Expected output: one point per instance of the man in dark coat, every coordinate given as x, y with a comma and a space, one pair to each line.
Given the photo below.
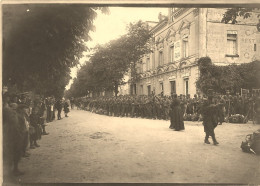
35, 128
23, 118
210, 120
13, 137
58, 106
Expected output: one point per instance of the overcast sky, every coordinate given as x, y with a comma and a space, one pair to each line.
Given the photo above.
113, 25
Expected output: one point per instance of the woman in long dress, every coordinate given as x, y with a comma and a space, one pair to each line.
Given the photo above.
176, 115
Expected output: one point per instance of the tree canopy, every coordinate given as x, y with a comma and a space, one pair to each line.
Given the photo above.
232, 14
227, 78
42, 42
109, 63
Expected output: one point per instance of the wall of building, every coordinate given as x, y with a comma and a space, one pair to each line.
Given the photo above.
184, 26
206, 36
248, 38
179, 76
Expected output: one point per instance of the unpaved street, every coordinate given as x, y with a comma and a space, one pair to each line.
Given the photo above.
88, 147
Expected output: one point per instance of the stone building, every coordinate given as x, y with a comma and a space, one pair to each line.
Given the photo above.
184, 36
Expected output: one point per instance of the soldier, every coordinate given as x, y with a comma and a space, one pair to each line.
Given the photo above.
209, 119
157, 108
167, 103
134, 106
221, 110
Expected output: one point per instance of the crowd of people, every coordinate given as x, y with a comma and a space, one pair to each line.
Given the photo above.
213, 110
158, 107
24, 119
24, 124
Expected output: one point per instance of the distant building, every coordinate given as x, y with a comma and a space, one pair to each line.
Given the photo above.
184, 36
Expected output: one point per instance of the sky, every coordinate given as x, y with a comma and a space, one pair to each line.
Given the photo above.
113, 25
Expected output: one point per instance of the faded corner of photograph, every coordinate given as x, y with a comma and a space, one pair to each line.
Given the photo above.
130, 94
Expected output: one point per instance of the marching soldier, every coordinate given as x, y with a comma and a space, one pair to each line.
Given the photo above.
210, 120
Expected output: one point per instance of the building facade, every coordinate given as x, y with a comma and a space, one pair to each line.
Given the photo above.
186, 35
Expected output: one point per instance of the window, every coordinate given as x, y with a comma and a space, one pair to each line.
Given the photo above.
133, 89
171, 53
141, 89
143, 67
186, 87
160, 58
161, 87
254, 47
231, 43
173, 87
185, 47
149, 90
148, 64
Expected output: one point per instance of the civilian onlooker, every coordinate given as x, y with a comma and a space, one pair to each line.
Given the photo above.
35, 132
43, 116
24, 120
66, 108
58, 106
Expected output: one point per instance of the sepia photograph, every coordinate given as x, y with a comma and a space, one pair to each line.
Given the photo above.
127, 92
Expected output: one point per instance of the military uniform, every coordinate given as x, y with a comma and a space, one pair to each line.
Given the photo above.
209, 112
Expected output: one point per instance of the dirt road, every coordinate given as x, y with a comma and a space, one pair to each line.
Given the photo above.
87, 147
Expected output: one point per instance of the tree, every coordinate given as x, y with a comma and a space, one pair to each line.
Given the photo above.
42, 42
232, 14
110, 62
231, 77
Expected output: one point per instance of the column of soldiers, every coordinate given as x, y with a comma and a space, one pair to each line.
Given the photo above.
158, 106
24, 122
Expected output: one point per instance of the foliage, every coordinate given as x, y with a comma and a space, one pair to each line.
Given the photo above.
42, 42
109, 63
231, 77
232, 14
